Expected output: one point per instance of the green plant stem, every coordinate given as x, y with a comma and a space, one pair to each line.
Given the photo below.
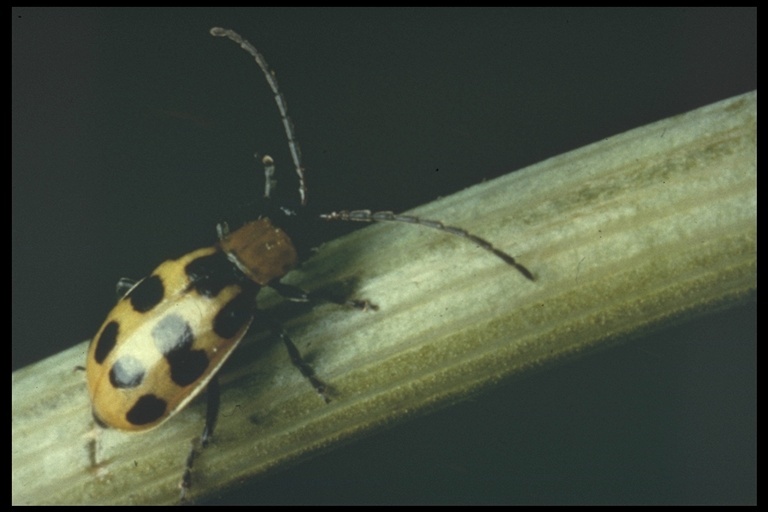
623, 236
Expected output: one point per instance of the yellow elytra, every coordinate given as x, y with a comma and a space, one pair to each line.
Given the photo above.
172, 331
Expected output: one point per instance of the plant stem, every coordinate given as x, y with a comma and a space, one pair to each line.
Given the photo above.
622, 236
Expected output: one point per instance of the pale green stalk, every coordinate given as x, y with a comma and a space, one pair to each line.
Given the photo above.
623, 236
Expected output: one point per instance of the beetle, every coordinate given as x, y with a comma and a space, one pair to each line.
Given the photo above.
171, 332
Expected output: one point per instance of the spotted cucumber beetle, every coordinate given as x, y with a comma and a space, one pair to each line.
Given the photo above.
171, 332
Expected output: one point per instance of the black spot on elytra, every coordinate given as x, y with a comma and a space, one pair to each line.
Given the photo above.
147, 409
212, 273
235, 315
187, 365
127, 372
106, 342
147, 294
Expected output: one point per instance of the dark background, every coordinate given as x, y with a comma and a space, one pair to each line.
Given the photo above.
133, 134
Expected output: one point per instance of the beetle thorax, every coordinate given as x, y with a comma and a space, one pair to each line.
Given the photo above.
261, 251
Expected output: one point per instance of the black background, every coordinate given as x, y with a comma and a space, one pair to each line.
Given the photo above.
133, 134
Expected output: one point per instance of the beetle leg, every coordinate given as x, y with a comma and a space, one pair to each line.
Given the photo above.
306, 370
97, 466
296, 294
213, 395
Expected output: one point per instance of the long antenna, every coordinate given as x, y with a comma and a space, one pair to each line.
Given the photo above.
346, 215
387, 216
282, 106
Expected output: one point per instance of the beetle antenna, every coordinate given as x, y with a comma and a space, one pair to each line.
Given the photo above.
282, 106
387, 216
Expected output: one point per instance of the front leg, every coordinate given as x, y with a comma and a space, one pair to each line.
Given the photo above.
296, 294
